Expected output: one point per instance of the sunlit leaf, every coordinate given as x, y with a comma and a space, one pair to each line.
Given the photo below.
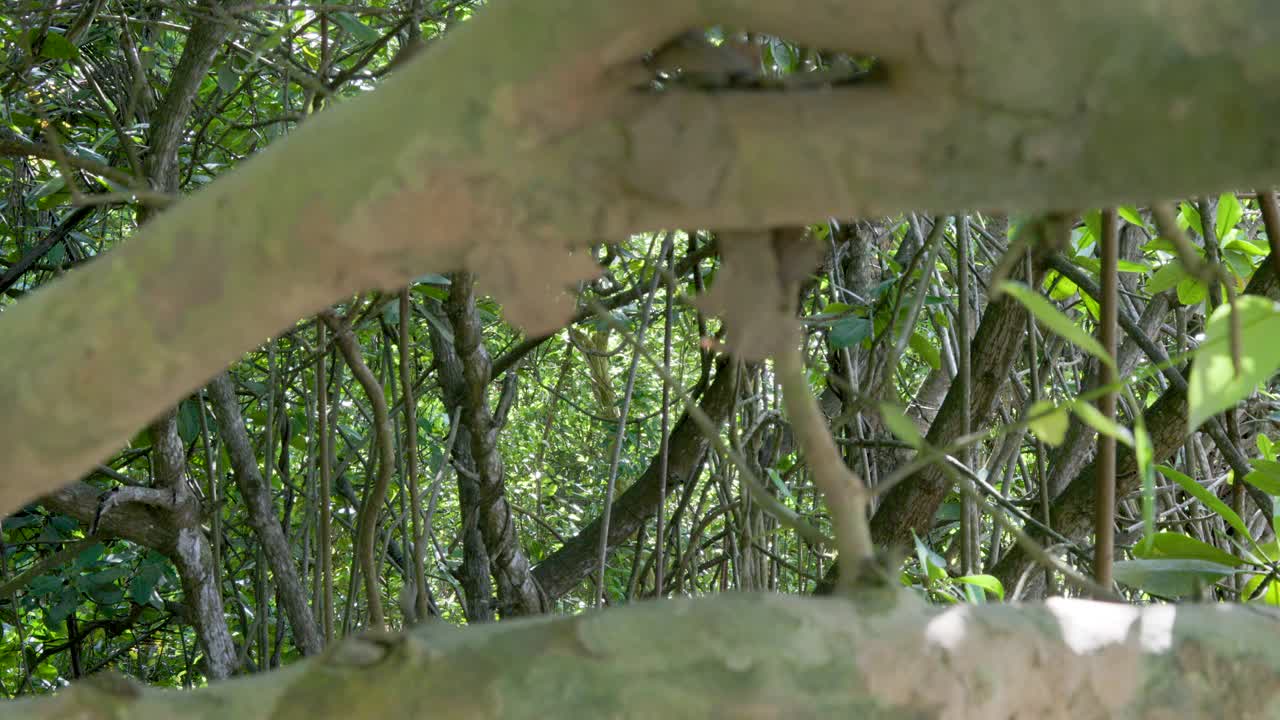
987, 582
925, 350
1204, 495
1131, 214
1050, 426
1168, 577
1178, 545
1265, 476
1055, 320
1191, 291
1094, 418
1213, 386
900, 425
56, 46
1229, 213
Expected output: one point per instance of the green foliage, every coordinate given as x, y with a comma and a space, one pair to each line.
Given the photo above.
1214, 384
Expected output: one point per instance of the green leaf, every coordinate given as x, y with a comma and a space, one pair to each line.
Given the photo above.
1213, 385
1058, 286
1055, 320
189, 419
1240, 264
1269, 596
45, 585
1169, 577
1092, 417
66, 605
1093, 222
56, 46
1199, 492
776, 477
1144, 455
1189, 217
836, 308
1131, 214
89, 555
986, 582
143, 585
1191, 291
1265, 446
1051, 427
1094, 265
227, 77
925, 350
1245, 247
110, 575
358, 30
1177, 545
1229, 213
849, 331
900, 425
1265, 476
931, 563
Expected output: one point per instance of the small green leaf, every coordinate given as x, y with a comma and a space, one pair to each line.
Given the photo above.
56, 46
987, 582
89, 555
1213, 385
925, 350
110, 575
1269, 596
836, 308
776, 477
66, 605
1177, 545
359, 30
931, 563
1049, 423
1092, 417
1245, 247
1131, 214
1144, 454
1169, 577
227, 77
1059, 287
1093, 223
900, 425
849, 331
1265, 476
1265, 446
1189, 217
45, 585
1191, 291
1229, 213
1055, 320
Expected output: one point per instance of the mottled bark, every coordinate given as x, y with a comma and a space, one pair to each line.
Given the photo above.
758, 655
474, 575
518, 592
192, 555
262, 516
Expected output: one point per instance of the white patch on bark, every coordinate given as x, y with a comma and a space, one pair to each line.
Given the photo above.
948, 629
1091, 626
1157, 628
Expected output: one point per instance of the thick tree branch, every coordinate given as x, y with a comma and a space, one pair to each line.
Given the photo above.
757, 655
521, 144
